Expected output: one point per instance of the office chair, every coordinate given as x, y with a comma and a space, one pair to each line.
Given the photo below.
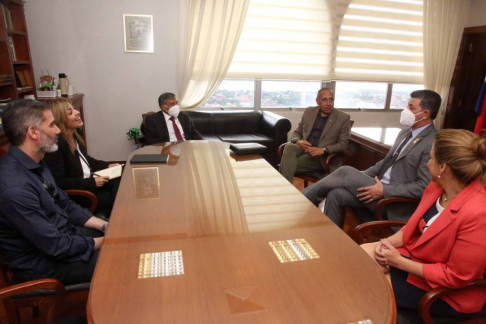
43, 292
366, 217
141, 140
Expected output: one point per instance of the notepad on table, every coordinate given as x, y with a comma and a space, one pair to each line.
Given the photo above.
113, 172
150, 158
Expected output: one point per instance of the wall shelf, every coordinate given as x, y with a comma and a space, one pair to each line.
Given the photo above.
15, 32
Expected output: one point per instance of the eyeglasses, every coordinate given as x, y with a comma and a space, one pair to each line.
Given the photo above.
51, 190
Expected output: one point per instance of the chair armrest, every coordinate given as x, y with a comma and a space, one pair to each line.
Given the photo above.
18, 289
431, 296
84, 193
391, 200
275, 127
363, 231
329, 158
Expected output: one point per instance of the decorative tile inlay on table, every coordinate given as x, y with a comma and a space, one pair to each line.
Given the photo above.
160, 264
293, 250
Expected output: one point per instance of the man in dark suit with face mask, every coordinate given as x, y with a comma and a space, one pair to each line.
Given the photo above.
403, 172
169, 124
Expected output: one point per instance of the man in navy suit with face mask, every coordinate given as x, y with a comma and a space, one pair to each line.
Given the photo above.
169, 124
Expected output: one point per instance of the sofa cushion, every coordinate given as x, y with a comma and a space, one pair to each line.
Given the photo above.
248, 138
202, 121
210, 137
236, 122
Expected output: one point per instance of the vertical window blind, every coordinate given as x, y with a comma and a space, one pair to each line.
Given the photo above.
286, 39
381, 40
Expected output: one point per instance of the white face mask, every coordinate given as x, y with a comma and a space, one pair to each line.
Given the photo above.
407, 118
174, 111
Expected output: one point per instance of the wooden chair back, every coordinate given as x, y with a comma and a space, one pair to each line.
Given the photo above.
142, 127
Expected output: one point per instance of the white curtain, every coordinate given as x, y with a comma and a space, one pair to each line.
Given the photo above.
208, 35
443, 27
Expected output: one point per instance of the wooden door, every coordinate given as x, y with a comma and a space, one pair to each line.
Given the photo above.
467, 80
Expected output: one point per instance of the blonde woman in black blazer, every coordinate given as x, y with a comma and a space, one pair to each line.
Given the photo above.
71, 166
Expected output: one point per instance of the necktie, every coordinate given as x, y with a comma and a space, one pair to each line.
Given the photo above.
386, 165
176, 129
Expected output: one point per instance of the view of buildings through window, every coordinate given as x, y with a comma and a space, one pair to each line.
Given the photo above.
284, 94
233, 93
302, 94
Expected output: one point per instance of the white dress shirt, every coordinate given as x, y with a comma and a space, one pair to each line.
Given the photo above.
170, 127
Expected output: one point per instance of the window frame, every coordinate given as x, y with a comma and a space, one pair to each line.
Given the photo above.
257, 98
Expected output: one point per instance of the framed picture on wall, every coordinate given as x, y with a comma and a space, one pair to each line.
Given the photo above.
138, 33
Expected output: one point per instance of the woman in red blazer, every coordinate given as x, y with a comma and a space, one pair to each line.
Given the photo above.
444, 242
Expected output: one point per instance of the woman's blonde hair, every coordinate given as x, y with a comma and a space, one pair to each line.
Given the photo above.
463, 151
59, 109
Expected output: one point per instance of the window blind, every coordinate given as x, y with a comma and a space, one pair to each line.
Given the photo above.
286, 39
381, 40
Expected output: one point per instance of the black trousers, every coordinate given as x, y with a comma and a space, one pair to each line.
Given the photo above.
106, 198
69, 273
408, 296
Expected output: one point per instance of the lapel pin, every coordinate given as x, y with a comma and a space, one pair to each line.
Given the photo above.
416, 140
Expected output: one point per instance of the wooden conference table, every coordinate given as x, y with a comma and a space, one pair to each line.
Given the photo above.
215, 238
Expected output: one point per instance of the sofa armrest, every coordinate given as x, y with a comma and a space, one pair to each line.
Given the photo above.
275, 127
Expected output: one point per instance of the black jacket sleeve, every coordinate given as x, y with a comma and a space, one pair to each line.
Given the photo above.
66, 168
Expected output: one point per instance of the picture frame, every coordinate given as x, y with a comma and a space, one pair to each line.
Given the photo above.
138, 33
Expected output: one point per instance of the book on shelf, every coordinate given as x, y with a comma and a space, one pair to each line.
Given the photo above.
7, 18
21, 80
6, 78
11, 47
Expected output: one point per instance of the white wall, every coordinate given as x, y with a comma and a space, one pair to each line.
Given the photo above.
477, 13
84, 39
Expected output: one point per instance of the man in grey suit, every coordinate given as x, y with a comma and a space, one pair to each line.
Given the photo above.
403, 172
323, 130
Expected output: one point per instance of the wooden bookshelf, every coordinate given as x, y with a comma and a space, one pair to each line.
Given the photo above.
15, 51
14, 55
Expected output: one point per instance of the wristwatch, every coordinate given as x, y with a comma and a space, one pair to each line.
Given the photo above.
294, 140
104, 227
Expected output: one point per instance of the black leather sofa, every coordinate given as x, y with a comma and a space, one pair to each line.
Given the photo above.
244, 126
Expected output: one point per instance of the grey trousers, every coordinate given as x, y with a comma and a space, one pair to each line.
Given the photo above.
340, 189
295, 160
